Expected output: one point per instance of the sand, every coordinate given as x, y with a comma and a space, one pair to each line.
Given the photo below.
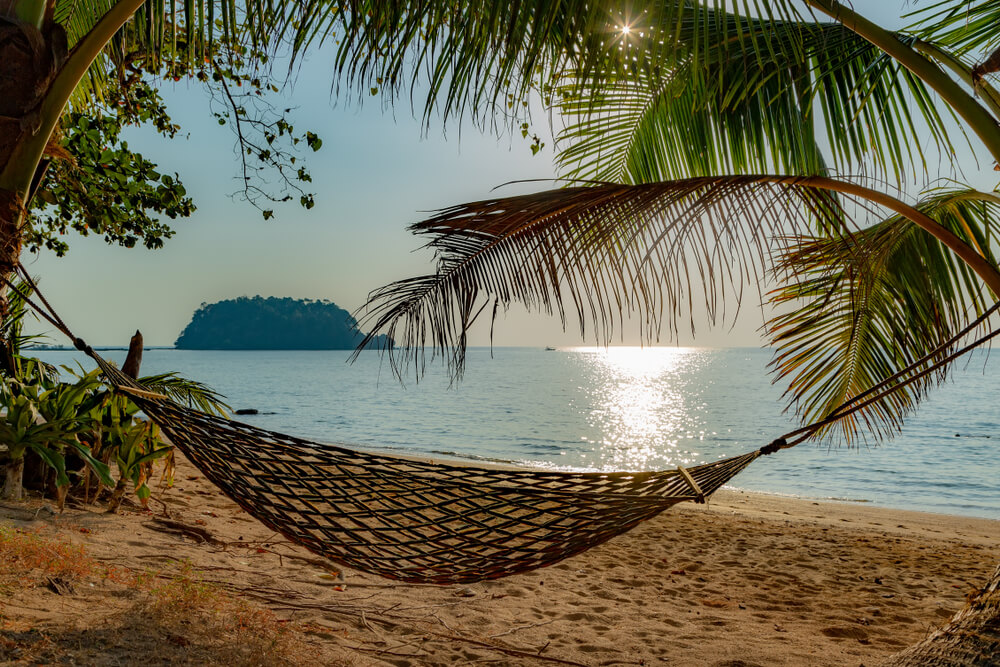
749, 579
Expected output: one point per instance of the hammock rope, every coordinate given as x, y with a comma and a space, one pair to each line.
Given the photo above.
422, 521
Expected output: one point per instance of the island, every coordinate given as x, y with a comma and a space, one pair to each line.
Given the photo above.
272, 323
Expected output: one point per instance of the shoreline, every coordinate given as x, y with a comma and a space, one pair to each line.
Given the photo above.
765, 579
776, 506
570, 411
860, 503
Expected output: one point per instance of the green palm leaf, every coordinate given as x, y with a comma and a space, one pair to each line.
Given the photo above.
966, 28
863, 303
866, 305
190, 392
729, 94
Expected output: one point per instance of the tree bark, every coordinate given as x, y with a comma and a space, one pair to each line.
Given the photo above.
29, 62
117, 494
10, 251
971, 638
13, 472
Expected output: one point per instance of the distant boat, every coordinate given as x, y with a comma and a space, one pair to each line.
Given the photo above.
549, 348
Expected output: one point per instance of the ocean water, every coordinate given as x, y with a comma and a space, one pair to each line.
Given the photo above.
614, 409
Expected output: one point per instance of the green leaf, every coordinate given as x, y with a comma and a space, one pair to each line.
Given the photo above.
728, 94
101, 469
52, 458
857, 309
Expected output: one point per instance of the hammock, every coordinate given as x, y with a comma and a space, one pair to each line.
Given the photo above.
417, 520
427, 522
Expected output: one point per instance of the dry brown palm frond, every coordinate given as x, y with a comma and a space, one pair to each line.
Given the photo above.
602, 253
857, 305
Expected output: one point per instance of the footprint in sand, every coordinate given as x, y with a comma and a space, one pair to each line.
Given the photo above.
845, 633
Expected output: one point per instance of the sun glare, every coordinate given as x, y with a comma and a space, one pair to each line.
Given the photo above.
641, 406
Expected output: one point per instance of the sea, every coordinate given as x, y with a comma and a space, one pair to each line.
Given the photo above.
618, 408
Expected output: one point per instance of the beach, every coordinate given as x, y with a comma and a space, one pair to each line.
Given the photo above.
748, 579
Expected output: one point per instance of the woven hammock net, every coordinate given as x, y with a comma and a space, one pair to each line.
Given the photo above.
416, 520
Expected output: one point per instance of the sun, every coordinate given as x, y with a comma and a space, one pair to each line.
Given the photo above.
626, 29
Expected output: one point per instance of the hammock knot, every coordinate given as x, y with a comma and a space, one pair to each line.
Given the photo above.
773, 446
81, 345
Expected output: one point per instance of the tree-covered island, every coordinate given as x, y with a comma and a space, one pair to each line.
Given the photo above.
271, 323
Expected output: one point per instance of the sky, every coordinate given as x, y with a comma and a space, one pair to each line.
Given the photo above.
377, 172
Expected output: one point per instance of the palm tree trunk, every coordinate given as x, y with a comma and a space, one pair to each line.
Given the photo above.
10, 249
972, 637
30, 61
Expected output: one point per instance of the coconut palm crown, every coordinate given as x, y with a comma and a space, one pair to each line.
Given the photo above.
721, 149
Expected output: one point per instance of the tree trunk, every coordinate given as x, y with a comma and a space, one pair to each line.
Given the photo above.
971, 638
29, 61
10, 249
13, 473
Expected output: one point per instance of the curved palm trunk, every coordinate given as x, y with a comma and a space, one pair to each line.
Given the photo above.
37, 77
972, 637
30, 61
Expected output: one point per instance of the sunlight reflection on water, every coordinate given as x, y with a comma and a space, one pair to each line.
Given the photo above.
638, 406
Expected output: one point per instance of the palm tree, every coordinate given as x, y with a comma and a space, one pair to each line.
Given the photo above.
706, 156
64, 55
686, 110
58, 55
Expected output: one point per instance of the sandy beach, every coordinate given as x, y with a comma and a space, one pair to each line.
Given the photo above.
749, 579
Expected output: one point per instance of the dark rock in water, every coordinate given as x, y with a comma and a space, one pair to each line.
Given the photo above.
248, 411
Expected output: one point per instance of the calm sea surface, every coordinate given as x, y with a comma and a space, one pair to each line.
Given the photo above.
616, 409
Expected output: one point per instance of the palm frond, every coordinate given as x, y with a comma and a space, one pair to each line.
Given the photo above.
965, 28
866, 305
12, 332
191, 392
730, 94
484, 59
598, 253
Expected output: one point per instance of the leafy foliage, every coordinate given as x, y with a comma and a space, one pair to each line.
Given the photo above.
100, 186
51, 418
716, 92
192, 393
258, 323
692, 91
241, 89
965, 28
861, 306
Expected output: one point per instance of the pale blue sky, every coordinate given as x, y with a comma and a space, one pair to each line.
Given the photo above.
375, 174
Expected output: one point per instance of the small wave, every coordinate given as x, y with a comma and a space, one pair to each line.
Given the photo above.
846, 500
542, 447
467, 456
